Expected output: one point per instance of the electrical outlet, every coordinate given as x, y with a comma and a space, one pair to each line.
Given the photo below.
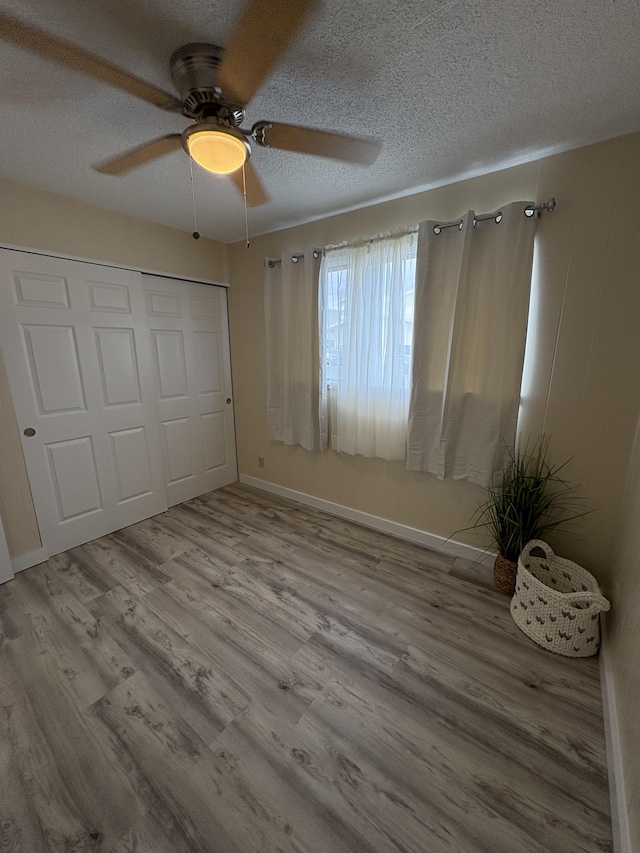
260, 461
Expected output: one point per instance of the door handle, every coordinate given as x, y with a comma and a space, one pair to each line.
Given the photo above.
29, 432
228, 399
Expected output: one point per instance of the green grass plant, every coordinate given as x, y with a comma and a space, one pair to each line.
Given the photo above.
533, 500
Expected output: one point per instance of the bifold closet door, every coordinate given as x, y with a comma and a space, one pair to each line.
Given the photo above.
77, 350
190, 345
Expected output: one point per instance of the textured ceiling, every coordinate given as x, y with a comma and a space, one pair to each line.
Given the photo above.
451, 88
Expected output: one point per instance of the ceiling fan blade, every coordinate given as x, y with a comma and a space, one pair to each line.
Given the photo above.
321, 143
256, 193
64, 53
141, 155
261, 37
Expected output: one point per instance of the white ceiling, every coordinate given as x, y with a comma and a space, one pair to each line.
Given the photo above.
453, 88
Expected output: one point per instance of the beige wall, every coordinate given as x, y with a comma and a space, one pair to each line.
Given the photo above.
624, 636
582, 384
35, 219
582, 381
16, 506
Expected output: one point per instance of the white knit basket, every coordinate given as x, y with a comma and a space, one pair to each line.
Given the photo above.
557, 603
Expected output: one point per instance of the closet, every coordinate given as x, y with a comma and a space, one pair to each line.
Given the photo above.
121, 383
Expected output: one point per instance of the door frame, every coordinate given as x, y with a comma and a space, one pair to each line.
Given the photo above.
144, 270
6, 566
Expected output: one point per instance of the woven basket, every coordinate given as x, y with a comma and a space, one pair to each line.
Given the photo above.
557, 603
504, 574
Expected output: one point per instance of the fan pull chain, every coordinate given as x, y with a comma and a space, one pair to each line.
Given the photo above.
196, 233
244, 196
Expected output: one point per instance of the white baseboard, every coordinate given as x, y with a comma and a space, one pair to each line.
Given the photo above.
394, 528
25, 561
619, 816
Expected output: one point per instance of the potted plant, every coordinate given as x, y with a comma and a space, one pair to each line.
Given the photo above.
532, 500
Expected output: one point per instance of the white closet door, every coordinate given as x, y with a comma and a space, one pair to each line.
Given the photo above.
190, 344
75, 342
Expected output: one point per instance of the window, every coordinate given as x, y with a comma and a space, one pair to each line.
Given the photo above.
366, 312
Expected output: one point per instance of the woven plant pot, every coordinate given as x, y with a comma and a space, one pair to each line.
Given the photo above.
504, 574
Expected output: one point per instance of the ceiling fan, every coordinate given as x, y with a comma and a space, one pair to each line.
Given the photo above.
214, 87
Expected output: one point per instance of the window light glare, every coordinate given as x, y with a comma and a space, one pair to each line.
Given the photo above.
217, 151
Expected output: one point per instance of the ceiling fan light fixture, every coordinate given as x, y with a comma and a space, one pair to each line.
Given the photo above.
217, 149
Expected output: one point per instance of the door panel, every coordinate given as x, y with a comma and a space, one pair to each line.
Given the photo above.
118, 366
45, 291
171, 371
74, 477
55, 369
131, 461
162, 303
213, 440
190, 344
75, 340
177, 435
109, 297
207, 348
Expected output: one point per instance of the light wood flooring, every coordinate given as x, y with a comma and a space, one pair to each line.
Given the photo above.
244, 674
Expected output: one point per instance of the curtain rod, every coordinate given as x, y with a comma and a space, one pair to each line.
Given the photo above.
294, 258
361, 241
529, 211
367, 241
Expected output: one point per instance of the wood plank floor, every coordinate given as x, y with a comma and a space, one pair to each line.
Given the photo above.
243, 674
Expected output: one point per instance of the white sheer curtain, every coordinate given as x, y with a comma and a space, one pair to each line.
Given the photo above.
472, 301
366, 305
294, 405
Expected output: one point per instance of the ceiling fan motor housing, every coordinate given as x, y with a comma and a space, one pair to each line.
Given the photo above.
194, 71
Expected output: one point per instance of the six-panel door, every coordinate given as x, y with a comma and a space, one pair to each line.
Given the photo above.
189, 342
